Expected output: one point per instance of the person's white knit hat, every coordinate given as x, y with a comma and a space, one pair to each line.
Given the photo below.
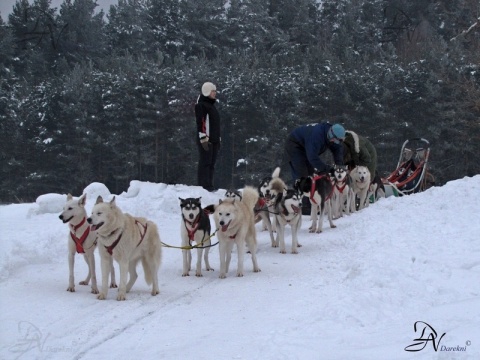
207, 88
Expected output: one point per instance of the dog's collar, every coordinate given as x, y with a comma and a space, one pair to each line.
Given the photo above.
76, 227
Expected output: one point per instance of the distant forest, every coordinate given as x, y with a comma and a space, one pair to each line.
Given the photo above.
93, 97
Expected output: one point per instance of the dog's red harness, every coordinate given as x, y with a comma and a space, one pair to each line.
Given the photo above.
341, 188
142, 236
79, 241
194, 225
259, 205
313, 188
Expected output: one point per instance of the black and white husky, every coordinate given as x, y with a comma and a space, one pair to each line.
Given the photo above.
195, 228
318, 189
288, 211
342, 191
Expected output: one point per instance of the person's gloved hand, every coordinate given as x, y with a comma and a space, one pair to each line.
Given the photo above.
204, 142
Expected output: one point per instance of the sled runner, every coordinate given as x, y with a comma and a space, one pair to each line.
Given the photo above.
411, 173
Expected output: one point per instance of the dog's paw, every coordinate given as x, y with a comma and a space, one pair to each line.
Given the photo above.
185, 274
333, 226
121, 297
283, 252
101, 296
239, 274
113, 285
71, 288
210, 269
83, 282
94, 291
222, 276
319, 231
198, 275
257, 270
155, 292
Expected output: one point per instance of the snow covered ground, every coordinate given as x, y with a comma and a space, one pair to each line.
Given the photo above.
354, 292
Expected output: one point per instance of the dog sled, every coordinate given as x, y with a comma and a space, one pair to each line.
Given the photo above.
411, 173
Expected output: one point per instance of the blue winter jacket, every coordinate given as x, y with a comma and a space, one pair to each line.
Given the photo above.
313, 138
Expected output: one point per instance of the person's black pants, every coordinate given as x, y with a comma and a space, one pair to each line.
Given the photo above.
206, 164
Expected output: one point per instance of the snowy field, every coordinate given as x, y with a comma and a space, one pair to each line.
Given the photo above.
354, 292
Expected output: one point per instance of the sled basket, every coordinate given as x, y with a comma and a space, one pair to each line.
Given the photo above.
409, 176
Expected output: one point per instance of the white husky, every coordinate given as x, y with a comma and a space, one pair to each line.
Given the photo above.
235, 221
81, 240
360, 185
128, 240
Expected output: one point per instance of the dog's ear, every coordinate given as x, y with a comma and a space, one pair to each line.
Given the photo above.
220, 201
83, 200
99, 200
112, 202
69, 197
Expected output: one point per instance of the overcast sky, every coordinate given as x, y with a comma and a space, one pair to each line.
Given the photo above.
6, 6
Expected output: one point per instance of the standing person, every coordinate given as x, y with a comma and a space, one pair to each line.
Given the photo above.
208, 129
306, 143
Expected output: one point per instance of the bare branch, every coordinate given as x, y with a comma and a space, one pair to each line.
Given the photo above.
466, 32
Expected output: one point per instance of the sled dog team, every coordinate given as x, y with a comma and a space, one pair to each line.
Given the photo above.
129, 240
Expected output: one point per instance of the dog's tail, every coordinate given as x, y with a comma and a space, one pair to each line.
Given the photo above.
147, 271
250, 197
151, 261
276, 173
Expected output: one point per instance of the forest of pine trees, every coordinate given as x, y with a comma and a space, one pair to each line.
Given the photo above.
92, 97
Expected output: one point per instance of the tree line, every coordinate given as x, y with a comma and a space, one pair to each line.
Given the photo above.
87, 96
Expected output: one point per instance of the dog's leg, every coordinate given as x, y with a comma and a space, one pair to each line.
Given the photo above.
314, 217
295, 228
71, 263
346, 200
205, 256
362, 198
329, 213
186, 261
222, 249
240, 241
198, 270
122, 288
320, 217
87, 280
281, 237
266, 220
132, 270
91, 266
113, 283
105, 263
